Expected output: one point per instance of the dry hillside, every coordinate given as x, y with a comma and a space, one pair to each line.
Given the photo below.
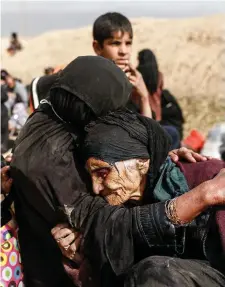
190, 52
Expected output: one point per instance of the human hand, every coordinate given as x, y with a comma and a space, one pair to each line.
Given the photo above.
8, 158
68, 241
123, 65
137, 81
6, 181
186, 154
215, 192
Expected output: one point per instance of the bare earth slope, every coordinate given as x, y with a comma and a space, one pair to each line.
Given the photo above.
190, 52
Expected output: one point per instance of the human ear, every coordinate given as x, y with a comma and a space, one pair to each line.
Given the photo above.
143, 165
97, 48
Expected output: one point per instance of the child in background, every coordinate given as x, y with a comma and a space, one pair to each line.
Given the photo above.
113, 39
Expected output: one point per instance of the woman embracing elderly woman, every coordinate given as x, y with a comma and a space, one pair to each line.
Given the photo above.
126, 157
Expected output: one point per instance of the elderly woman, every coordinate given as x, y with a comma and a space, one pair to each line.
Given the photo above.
46, 169
126, 156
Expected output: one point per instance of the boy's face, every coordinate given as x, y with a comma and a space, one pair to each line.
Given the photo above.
118, 48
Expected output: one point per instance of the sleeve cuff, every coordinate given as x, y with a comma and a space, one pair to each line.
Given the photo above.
154, 225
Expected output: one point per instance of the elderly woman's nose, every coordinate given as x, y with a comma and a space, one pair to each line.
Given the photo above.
97, 187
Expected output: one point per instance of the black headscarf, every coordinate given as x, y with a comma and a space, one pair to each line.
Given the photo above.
124, 135
148, 67
89, 81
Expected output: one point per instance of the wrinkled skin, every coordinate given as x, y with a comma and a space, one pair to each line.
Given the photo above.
119, 182
186, 154
68, 246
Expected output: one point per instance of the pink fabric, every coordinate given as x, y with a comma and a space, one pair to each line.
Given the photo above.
11, 269
195, 174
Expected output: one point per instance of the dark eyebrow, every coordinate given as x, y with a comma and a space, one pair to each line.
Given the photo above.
115, 40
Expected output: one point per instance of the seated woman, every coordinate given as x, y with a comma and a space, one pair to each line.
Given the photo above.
126, 156
166, 109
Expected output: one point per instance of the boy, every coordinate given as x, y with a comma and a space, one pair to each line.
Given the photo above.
112, 39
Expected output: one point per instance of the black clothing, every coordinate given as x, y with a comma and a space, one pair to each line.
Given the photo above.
47, 171
4, 121
44, 84
171, 112
148, 67
123, 135
49, 174
40, 87
161, 271
111, 138
96, 81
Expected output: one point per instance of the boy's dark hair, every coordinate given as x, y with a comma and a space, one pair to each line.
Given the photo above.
108, 23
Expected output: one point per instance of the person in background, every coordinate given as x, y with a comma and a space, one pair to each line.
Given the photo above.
4, 121
49, 71
113, 39
222, 147
14, 45
171, 111
16, 90
4, 73
165, 108
16, 103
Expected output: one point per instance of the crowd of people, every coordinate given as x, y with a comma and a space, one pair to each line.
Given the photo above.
104, 190
14, 103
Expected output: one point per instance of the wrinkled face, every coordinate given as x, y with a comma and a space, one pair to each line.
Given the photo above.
118, 183
118, 48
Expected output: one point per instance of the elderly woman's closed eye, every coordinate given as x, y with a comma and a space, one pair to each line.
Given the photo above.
119, 182
126, 157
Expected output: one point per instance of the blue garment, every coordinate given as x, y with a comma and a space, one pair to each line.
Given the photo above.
174, 134
171, 182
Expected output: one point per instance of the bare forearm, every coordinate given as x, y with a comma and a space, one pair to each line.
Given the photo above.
145, 107
156, 107
158, 113
192, 203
